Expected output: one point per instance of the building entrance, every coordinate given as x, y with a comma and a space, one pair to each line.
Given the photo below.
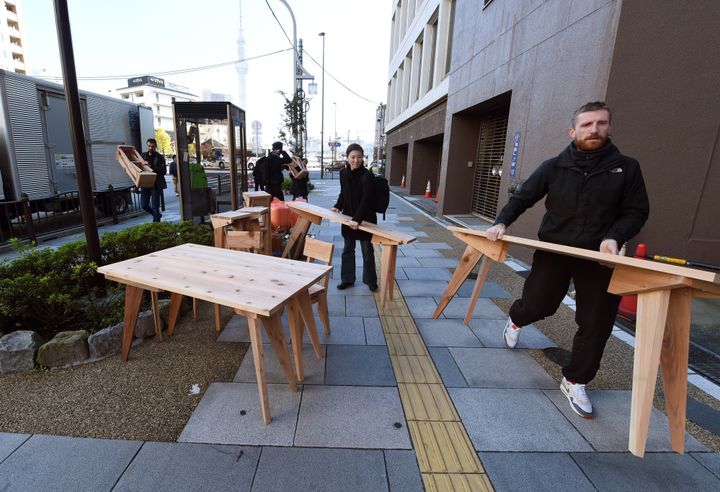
489, 163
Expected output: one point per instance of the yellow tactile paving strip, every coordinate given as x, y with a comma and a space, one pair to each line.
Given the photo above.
445, 454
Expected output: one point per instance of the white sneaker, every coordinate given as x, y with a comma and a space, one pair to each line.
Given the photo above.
511, 334
577, 397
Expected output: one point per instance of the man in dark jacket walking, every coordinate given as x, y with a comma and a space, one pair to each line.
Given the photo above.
150, 197
357, 199
595, 199
276, 160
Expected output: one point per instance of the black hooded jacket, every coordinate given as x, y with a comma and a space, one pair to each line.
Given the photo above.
357, 199
590, 197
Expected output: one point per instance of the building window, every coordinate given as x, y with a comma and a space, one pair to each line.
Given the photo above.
125, 96
139, 94
159, 121
10, 8
157, 97
451, 19
432, 39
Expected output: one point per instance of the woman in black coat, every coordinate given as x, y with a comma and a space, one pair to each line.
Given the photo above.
357, 199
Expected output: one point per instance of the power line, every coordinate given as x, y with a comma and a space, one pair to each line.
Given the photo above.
172, 72
315, 61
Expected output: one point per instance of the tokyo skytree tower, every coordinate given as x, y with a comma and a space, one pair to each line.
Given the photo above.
242, 66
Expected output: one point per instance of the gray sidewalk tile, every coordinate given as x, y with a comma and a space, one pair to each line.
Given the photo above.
446, 366
423, 245
450, 263
539, 472
484, 308
498, 368
490, 333
236, 330
656, 471
711, 461
358, 289
373, 332
403, 471
361, 306
336, 305
427, 273
357, 365
313, 368
421, 307
308, 469
609, 428
402, 262
422, 288
344, 330
66, 463
446, 333
351, 417
164, 466
419, 253
491, 290
219, 419
400, 274
515, 420
10, 442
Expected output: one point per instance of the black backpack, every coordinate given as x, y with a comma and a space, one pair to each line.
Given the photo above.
382, 194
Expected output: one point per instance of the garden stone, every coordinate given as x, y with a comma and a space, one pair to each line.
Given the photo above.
17, 351
145, 327
65, 349
106, 341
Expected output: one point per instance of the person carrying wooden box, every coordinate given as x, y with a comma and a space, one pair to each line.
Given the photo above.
150, 196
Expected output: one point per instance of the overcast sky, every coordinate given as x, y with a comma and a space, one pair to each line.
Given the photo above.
133, 37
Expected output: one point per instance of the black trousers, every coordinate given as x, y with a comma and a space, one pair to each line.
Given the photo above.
595, 312
347, 268
276, 191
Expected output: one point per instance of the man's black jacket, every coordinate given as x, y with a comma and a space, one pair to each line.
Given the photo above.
357, 199
275, 163
585, 205
157, 162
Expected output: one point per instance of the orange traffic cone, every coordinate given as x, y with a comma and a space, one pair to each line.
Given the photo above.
428, 193
628, 304
402, 183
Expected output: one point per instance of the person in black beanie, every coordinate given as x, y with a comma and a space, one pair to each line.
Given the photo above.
150, 197
357, 199
595, 199
276, 160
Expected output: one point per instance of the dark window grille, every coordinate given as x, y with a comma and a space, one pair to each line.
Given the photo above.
488, 164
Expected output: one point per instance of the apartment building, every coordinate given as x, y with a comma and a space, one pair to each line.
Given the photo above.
514, 72
157, 94
12, 53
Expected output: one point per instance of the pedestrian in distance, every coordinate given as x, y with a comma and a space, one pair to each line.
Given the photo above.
174, 173
260, 171
595, 198
356, 199
150, 197
276, 160
299, 184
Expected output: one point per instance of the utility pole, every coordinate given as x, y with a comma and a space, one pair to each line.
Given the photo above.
322, 116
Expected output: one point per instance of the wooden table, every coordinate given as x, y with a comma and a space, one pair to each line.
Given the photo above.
387, 238
254, 286
662, 328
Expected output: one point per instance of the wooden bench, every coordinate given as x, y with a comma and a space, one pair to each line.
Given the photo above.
662, 328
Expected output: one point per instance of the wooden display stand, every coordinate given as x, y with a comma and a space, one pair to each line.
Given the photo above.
249, 219
389, 239
662, 328
297, 169
261, 199
135, 166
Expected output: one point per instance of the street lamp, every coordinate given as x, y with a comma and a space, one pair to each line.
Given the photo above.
322, 114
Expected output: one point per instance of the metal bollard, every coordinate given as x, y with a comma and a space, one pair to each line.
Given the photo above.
28, 218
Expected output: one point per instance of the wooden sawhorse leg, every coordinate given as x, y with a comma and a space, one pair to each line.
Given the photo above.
388, 260
297, 239
469, 259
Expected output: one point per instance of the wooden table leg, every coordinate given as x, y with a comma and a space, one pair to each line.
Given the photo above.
674, 363
650, 329
259, 359
156, 315
274, 329
387, 272
297, 238
304, 304
175, 303
484, 267
296, 334
133, 297
469, 259
218, 322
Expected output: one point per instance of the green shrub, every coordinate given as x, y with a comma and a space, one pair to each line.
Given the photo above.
50, 290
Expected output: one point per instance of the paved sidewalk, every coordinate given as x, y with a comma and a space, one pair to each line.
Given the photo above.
354, 424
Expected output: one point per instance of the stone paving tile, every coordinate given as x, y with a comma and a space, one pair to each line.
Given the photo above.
309, 469
351, 417
427, 273
344, 330
66, 463
358, 289
164, 466
356, 365
656, 471
499, 420
422, 288
446, 333
420, 253
423, 245
236, 330
450, 263
491, 290
313, 368
549, 472
219, 419
402, 262
361, 306
497, 368
403, 472
711, 461
609, 428
336, 305
447, 367
421, 307
484, 308
10, 442
490, 333
373, 332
